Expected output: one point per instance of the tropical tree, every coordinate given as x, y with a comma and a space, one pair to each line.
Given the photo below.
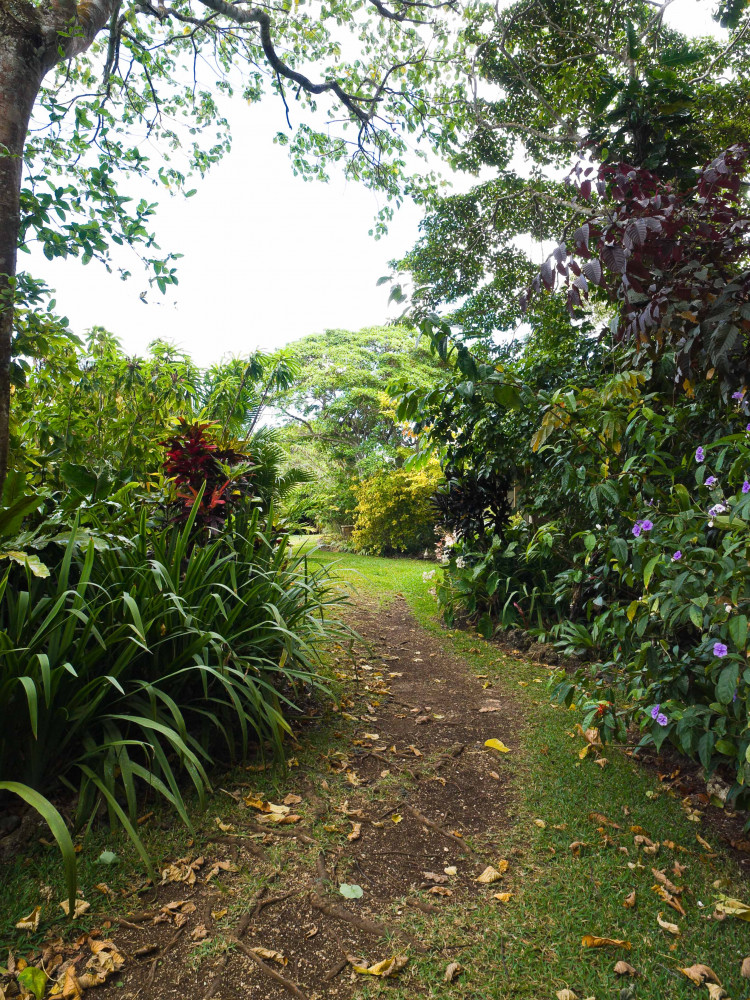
102, 74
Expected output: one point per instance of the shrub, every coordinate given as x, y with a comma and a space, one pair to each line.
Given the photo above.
394, 511
134, 658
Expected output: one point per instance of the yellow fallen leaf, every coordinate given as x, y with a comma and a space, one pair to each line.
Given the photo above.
396, 818
356, 832
590, 941
451, 870
489, 875
388, 966
218, 914
503, 897
540, 823
704, 843
497, 745
31, 922
265, 807
666, 926
624, 969
729, 907
699, 974
70, 988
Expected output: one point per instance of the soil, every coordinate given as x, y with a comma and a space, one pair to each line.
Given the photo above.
446, 808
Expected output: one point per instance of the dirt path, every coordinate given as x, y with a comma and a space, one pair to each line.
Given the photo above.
417, 792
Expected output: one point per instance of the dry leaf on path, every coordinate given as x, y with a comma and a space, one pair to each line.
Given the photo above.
666, 926
199, 933
356, 832
451, 972
624, 969
497, 745
439, 890
270, 955
629, 901
490, 875
699, 974
220, 866
31, 922
590, 941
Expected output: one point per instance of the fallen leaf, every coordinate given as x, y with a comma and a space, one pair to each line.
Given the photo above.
312, 932
566, 995
624, 969
271, 956
199, 933
388, 966
218, 914
699, 974
433, 877
356, 832
70, 988
396, 818
490, 875
31, 922
451, 972
601, 818
576, 846
279, 819
601, 762
33, 980
540, 823
224, 827
439, 890
80, 907
669, 899
745, 971
351, 891
265, 807
662, 878
728, 907
666, 926
590, 941
629, 901
293, 800
497, 745
716, 992
503, 897
220, 866
451, 870
704, 843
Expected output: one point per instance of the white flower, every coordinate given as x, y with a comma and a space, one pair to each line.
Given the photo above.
460, 562
428, 576
728, 608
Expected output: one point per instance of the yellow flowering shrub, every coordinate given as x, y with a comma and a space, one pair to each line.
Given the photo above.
394, 513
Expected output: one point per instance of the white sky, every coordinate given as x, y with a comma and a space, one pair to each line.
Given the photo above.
268, 258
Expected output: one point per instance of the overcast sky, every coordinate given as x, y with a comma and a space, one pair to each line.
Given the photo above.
268, 258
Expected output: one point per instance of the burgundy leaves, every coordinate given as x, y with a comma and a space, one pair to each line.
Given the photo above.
674, 261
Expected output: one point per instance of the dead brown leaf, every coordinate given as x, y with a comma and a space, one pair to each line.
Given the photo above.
31, 922
356, 832
270, 955
590, 941
603, 820
745, 971
451, 972
624, 969
629, 901
666, 926
699, 974
576, 847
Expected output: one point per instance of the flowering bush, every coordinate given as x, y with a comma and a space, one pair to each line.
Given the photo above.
675, 641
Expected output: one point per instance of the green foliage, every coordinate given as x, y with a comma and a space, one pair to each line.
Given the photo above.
135, 660
394, 511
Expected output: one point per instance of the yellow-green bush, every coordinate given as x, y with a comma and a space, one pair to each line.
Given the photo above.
394, 513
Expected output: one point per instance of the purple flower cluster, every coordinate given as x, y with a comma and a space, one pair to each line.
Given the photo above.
700, 455
711, 481
746, 487
640, 526
720, 649
718, 508
677, 556
656, 713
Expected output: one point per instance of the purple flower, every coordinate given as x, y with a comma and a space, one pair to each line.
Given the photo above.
711, 481
720, 649
739, 394
637, 528
718, 508
655, 711
662, 719
746, 487
748, 427
700, 454
647, 525
677, 556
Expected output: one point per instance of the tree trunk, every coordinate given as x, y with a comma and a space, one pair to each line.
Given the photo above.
21, 71
33, 39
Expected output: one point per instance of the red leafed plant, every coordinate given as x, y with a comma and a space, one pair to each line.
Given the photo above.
193, 461
676, 262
